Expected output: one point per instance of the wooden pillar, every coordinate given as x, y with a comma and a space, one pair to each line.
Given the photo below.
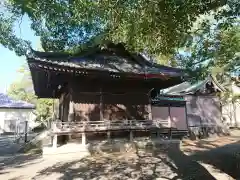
131, 136
61, 108
53, 107
108, 136
83, 138
70, 115
54, 141
150, 105
150, 112
26, 131
131, 133
101, 105
170, 117
186, 117
71, 110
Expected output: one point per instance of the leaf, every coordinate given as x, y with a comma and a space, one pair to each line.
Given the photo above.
157, 27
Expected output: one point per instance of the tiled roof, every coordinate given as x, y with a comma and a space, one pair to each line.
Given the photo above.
175, 90
113, 59
188, 88
109, 63
7, 102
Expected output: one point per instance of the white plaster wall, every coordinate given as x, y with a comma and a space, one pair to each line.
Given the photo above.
17, 117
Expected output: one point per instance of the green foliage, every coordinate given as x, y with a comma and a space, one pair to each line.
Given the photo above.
22, 90
167, 60
153, 26
158, 28
8, 37
44, 109
215, 50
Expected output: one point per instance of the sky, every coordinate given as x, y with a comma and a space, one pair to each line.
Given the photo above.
10, 62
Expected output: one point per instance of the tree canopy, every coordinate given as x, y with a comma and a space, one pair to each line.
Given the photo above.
154, 26
205, 32
214, 50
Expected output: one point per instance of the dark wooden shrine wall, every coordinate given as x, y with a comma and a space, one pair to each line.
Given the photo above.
64, 106
115, 102
108, 85
114, 105
125, 106
86, 106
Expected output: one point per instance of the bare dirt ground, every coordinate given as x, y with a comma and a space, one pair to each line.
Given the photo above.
216, 158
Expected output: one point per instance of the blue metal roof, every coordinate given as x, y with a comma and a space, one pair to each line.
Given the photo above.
7, 102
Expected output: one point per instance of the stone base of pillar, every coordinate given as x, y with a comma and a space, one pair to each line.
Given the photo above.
83, 139
65, 149
109, 136
54, 141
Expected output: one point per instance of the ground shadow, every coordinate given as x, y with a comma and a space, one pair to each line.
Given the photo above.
155, 161
150, 163
201, 145
225, 158
18, 161
184, 166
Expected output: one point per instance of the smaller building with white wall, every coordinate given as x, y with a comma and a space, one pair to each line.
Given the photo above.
231, 109
15, 114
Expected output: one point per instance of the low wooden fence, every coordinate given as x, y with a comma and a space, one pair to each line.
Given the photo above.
83, 126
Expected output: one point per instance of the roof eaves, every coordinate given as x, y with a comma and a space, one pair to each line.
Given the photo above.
217, 84
195, 87
175, 89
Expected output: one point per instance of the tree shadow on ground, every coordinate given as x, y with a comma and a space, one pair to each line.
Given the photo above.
190, 147
225, 158
157, 161
151, 163
18, 161
184, 166
202, 145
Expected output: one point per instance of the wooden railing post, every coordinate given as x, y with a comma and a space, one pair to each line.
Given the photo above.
84, 126
108, 136
131, 133
54, 126
106, 125
26, 131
